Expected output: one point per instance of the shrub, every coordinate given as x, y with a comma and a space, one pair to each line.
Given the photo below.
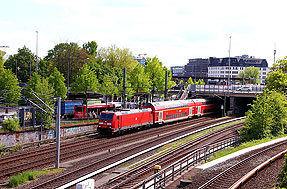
21, 178
11, 124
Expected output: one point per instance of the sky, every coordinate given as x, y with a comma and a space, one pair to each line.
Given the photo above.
173, 31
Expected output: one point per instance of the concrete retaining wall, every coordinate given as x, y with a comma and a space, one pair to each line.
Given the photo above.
11, 139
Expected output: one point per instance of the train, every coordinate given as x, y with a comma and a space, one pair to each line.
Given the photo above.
93, 109
115, 122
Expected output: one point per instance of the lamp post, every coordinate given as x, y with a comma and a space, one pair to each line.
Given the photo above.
37, 51
229, 61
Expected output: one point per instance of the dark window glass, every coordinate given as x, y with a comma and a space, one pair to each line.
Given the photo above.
79, 108
105, 116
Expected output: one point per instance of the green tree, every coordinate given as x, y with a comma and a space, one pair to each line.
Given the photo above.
117, 58
189, 81
26, 64
139, 79
67, 55
101, 69
86, 81
277, 77
108, 87
2, 53
11, 124
200, 82
91, 48
44, 91
156, 74
266, 118
252, 73
9, 88
57, 81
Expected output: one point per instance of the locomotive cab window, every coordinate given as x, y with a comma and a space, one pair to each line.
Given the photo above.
105, 116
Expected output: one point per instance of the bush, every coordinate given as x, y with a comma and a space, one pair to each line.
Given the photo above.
11, 124
21, 178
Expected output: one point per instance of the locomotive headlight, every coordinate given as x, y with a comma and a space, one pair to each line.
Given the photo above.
109, 123
100, 122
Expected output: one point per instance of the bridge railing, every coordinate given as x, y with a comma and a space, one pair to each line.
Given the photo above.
226, 89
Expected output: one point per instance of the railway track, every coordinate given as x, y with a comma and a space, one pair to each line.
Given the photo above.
114, 157
137, 174
231, 175
44, 157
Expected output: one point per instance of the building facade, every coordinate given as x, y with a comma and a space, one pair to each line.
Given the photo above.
230, 67
196, 68
177, 70
141, 58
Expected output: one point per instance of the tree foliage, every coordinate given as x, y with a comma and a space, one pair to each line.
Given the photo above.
139, 79
65, 55
267, 117
117, 58
86, 80
189, 82
25, 61
11, 124
2, 53
9, 88
156, 74
200, 82
251, 73
57, 81
91, 48
108, 87
277, 77
101, 69
44, 91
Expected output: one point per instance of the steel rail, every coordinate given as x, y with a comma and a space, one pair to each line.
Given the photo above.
125, 153
208, 183
255, 171
165, 158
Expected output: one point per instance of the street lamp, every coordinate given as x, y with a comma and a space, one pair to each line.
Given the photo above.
229, 61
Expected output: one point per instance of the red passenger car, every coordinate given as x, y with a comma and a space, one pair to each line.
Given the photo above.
116, 122
181, 109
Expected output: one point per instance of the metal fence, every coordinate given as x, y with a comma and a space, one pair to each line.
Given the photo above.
227, 89
167, 174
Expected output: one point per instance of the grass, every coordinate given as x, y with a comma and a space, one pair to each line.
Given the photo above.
26, 176
241, 146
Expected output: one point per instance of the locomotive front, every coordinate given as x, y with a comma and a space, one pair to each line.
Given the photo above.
106, 122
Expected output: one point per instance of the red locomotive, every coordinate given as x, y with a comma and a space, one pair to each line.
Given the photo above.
154, 113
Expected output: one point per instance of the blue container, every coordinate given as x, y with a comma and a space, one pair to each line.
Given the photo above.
67, 107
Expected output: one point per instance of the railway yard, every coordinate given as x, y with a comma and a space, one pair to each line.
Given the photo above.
129, 160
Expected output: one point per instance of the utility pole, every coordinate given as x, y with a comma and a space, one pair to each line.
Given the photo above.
229, 61
166, 86
124, 87
37, 51
58, 132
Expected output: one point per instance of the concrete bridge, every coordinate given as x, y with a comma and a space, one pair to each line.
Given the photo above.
235, 99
